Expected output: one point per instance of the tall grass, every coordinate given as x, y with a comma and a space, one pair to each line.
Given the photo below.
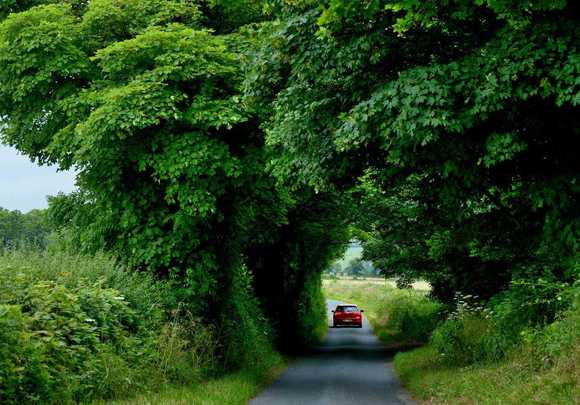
22, 268
232, 389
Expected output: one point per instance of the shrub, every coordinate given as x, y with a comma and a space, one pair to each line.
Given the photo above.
80, 339
24, 375
312, 311
410, 317
558, 339
461, 340
530, 302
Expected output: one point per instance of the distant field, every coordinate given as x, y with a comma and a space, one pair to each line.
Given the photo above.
364, 281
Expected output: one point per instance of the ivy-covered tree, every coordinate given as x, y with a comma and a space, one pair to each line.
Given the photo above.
144, 106
144, 99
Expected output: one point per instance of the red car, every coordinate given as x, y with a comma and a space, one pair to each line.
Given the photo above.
347, 315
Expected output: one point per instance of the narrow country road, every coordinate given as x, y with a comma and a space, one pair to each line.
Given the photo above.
351, 367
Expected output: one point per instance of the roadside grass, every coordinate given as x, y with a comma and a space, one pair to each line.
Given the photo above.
232, 389
513, 381
462, 365
366, 294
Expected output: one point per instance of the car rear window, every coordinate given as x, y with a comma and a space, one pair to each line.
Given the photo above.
346, 308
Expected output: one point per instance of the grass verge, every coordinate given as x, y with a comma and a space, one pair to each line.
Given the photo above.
513, 381
462, 363
232, 389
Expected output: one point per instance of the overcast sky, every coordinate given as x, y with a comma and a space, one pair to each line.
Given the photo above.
24, 185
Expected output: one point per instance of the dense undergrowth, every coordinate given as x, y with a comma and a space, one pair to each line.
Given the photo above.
78, 328
521, 347
541, 366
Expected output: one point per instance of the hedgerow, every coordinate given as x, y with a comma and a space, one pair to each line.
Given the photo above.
76, 328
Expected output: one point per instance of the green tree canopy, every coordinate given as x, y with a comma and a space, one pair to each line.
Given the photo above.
454, 123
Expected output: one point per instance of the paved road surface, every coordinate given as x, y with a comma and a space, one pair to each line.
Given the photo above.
350, 368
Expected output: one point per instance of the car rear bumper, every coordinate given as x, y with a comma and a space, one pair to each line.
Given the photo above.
355, 324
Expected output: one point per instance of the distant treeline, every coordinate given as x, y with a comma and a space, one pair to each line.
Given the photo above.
354, 268
23, 230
